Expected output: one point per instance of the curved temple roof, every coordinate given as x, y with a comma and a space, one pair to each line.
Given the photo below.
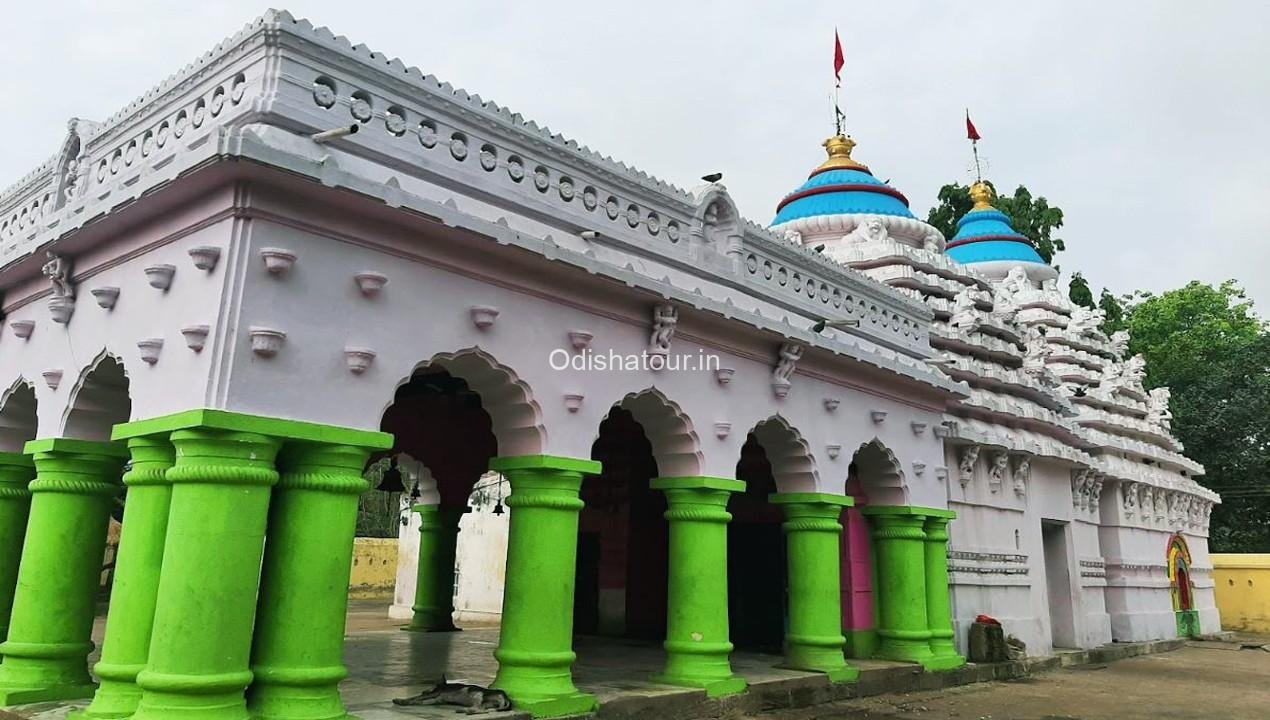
841, 186
985, 235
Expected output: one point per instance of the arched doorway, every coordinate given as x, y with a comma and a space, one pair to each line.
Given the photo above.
443, 442
1180, 588
874, 478
757, 569
622, 538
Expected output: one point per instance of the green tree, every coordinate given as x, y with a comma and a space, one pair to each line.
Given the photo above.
1033, 218
1114, 308
1207, 344
1078, 291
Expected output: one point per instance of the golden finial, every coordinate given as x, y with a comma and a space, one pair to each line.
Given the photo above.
839, 148
981, 193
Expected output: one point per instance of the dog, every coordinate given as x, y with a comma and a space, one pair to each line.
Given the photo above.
475, 700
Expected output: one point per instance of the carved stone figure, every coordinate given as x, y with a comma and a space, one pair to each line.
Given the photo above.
1079, 480
1135, 370
790, 353
1016, 281
996, 472
1038, 348
793, 236
1160, 413
1022, 472
964, 316
1095, 493
870, 230
1086, 321
966, 464
1129, 497
58, 271
1050, 285
665, 317
1120, 342
933, 243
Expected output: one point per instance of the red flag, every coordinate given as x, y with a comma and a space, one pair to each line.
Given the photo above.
971, 132
838, 60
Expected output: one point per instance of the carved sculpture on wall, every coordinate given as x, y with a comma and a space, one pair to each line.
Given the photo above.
870, 230
1022, 473
1080, 478
1135, 370
1129, 497
58, 271
1095, 493
665, 317
1038, 348
996, 472
790, 353
1086, 321
964, 315
933, 243
1120, 342
966, 464
1016, 281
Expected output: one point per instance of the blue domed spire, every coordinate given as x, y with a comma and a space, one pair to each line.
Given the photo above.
985, 235
841, 186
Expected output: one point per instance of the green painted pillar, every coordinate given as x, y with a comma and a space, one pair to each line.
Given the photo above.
938, 609
50, 630
297, 654
131, 618
199, 651
434, 581
535, 649
697, 645
16, 472
900, 544
813, 535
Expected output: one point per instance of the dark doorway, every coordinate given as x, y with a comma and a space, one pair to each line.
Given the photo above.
622, 539
756, 557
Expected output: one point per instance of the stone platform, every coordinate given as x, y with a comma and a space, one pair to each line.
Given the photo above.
386, 663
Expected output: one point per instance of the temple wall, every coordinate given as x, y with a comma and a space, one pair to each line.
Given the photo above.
180, 379
423, 313
1000, 558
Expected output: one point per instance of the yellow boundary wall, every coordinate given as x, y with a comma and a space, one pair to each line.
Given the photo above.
374, 568
1242, 584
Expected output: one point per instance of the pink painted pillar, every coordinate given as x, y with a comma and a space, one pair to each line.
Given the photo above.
857, 579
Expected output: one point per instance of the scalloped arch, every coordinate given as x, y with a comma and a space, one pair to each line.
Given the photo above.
515, 416
99, 400
19, 420
879, 474
676, 446
793, 465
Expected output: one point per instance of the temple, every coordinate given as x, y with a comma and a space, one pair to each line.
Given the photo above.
298, 263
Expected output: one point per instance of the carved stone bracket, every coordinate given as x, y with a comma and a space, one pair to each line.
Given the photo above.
966, 462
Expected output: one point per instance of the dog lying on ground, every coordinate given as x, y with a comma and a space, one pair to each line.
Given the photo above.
475, 700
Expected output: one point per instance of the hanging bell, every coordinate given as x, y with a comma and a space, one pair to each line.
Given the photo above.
498, 508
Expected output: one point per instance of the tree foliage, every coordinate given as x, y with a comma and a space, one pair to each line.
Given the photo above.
1078, 291
1206, 344
1032, 217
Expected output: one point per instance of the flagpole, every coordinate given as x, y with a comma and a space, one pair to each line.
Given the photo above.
974, 146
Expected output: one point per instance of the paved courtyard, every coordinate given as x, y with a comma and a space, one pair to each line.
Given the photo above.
1203, 681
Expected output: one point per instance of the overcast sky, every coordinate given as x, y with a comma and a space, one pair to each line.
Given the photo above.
1147, 127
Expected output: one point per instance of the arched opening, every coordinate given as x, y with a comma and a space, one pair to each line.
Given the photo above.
99, 401
873, 478
443, 442
620, 586
774, 457
18, 420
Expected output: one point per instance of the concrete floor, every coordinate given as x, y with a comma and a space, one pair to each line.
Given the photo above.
1203, 681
